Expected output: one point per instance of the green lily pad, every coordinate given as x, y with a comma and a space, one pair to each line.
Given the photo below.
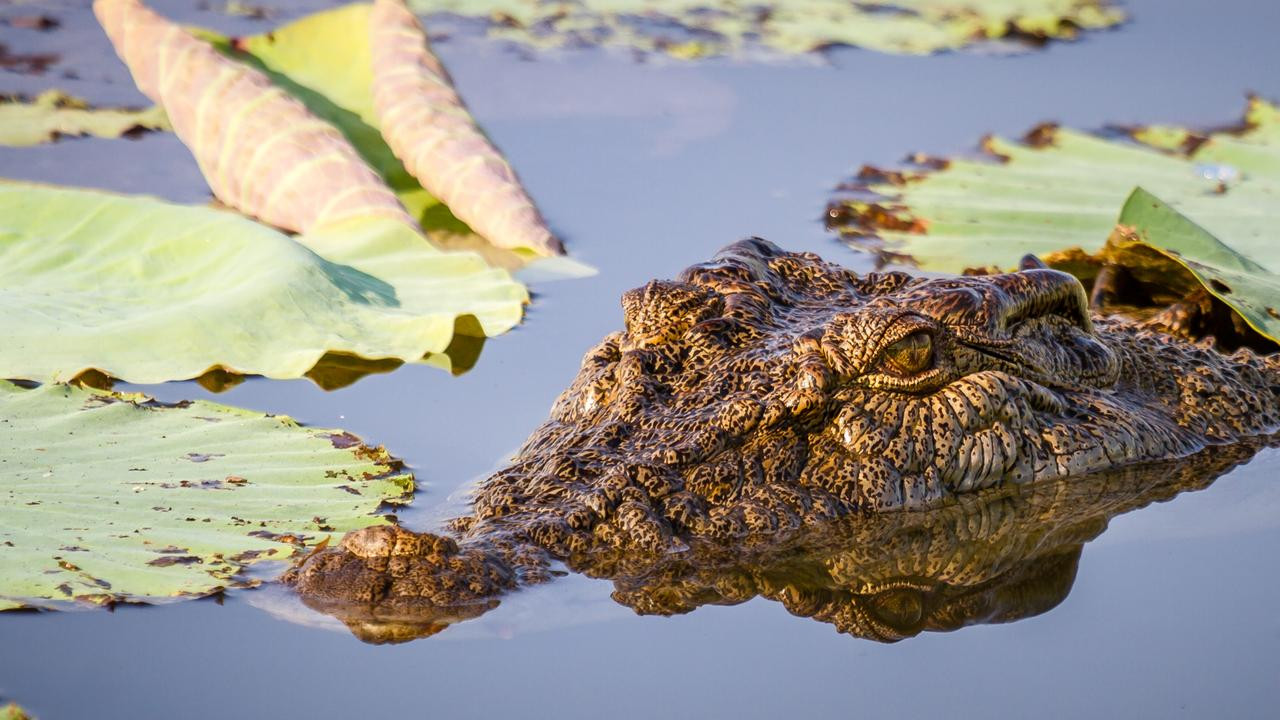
687, 29
147, 291
1180, 246
1060, 189
54, 114
110, 497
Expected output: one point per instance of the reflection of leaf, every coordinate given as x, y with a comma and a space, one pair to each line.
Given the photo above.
1062, 188
1247, 287
430, 130
259, 148
195, 492
54, 113
697, 28
147, 291
326, 61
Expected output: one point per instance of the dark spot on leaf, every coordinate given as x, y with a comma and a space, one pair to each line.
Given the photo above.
289, 538
169, 560
1042, 135
42, 23
343, 440
236, 480
928, 161
26, 64
1272, 312
871, 174
249, 556
1219, 286
350, 489
65, 589
196, 485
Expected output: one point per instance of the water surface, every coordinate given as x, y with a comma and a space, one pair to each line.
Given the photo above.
645, 168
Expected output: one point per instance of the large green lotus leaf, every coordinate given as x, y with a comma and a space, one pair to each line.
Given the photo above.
325, 61
697, 28
1248, 287
148, 291
1061, 188
53, 114
109, 497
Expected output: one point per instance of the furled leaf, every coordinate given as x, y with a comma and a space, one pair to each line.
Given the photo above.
147, 291
688, 29
259, 148
110, 497
1060, 188
430, 130
1248, 287
53, 114
326, 61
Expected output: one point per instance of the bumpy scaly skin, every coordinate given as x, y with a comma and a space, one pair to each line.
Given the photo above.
765, 391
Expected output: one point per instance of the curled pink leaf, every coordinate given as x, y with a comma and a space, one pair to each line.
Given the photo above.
430, 130
259, 148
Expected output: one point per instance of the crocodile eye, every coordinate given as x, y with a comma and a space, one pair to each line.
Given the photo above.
911, 355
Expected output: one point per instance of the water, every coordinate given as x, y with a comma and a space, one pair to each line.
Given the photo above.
645, 168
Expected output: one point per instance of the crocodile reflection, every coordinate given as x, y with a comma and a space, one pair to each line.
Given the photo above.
996, 556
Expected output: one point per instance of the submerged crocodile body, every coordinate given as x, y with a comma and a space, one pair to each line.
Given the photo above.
764, 394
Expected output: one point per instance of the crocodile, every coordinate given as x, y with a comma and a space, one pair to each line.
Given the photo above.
766, 394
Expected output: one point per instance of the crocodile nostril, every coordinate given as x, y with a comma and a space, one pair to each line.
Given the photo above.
1040, 293
1031, 262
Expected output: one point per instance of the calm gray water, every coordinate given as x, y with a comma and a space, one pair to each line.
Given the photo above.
645, 168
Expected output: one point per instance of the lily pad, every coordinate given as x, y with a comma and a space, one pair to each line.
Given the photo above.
147, 291
1154, 239
688, 29
110, 497
1061, 188
54, 114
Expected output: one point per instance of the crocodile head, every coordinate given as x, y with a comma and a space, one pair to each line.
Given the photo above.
765, 392
766, 388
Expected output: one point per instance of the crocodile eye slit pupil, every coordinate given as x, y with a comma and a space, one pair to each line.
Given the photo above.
911, 355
